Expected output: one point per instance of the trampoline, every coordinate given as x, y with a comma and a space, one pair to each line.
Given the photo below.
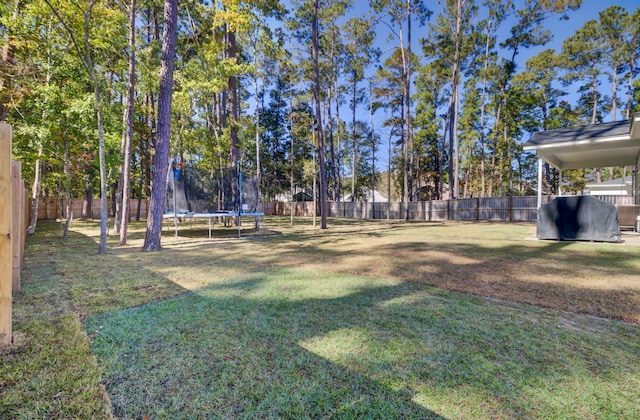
186, 189
258, 215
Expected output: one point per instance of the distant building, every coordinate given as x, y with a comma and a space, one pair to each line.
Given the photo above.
618, 186
377, 197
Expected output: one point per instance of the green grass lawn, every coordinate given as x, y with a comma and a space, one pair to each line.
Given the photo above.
365, 320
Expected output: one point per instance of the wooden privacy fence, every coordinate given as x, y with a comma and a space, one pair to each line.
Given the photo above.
14, 216
48, 208
513, 209
500, 208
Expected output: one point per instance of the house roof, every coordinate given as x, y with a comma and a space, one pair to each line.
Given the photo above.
609, 144
379, 198
583, 132
612, 182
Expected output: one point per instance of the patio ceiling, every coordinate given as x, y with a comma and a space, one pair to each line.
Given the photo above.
598, 145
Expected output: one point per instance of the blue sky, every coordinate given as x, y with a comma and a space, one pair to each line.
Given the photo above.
561, 29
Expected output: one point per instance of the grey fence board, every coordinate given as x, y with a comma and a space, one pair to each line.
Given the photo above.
517, 209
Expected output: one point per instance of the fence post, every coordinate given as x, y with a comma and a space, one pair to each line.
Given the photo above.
24, 219
5, 234
16, 229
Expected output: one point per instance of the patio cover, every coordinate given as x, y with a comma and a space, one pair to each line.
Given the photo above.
598, 145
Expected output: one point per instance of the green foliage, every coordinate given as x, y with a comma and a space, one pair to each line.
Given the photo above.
45, 89
636, 96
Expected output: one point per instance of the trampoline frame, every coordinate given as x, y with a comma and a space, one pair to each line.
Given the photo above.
259, 217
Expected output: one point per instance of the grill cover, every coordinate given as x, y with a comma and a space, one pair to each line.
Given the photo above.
578, 218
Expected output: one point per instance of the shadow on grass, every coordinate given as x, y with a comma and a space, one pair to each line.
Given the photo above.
197, 355
302, 342
594, 279
279, 343
179, 354
50, 372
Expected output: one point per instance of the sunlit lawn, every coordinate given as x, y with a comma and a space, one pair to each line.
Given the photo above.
348, 322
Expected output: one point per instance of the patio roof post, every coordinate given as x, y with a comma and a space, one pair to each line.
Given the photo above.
634, 186
539, 183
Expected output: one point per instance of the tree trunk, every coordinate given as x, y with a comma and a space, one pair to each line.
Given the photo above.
389, 175
330, 127
495, 149
233, 124
482, 114
407, 136
441, 162
257, 118
408, 105
159, 191
332, 152
87, 210
35, 192
594, 90
292, 130
112, 194
219, 113
467, 172
405, 158
338, 161
453, 108
373, 155
319, 127
632, 59
126, 176
614, 93
594, 113
102, 249
509, 159
67, 187
118, 193
59, 206
354, 142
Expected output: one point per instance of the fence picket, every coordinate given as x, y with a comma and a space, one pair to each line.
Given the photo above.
517, 208
5, 235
